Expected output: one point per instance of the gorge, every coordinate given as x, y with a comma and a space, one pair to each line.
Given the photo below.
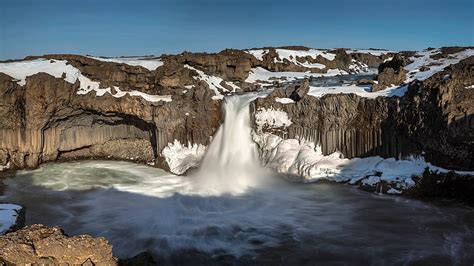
240, 131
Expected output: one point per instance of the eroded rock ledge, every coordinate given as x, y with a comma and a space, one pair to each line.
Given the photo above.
42, 245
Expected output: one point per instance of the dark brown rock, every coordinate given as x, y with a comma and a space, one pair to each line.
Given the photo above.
39, 244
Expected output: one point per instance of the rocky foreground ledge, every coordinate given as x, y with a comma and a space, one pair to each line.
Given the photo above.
42, 245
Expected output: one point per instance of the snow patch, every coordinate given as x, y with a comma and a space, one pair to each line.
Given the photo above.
284, 100
180, 157
214, 83
369, 51
146, 62
61, 68
432, 66
260, 74
394, 91
8, 216
271, 118
469, 87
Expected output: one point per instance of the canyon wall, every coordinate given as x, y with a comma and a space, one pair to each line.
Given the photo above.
434, 118
117, 116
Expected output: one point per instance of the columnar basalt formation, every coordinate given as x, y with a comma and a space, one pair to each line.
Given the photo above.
111, 108
434, 118
46, 119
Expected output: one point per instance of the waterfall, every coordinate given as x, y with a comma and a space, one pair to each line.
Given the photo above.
231, 164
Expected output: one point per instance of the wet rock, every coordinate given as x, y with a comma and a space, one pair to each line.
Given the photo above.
449, 185
142, 259
39, 244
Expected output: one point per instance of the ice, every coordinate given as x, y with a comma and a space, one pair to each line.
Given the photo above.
8, 216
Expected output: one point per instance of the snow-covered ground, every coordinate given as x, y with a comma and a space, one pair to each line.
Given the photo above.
291, 55
423, 60
214, 83
370, 51
392, 91
8, 216
304, 161
57, 68
146, 62
181, 157
260, 74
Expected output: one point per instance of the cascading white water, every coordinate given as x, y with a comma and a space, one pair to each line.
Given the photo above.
231, 164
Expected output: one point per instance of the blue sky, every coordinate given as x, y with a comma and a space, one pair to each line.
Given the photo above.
119, 27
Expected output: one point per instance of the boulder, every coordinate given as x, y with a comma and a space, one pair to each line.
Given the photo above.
39, 244
299, 91
391, 73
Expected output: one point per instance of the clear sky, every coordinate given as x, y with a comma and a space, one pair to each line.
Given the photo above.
119, 27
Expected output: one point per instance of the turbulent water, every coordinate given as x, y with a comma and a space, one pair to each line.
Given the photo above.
234, 208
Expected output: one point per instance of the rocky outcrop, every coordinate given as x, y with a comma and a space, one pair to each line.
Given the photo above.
42, 245
438, 113
434, 117
391, 73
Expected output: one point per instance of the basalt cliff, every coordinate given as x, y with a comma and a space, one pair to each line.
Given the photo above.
155, 109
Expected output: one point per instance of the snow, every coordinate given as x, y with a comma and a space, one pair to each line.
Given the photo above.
358, 67
214, 83
305, 160
258, 53
369, 51
180, 157
148, 97
56, 68
271, 118
146, 62
291, 56
8, 216
260, 74
22, 69
423, 59
284, 100
5, 167
392, 91
394, 191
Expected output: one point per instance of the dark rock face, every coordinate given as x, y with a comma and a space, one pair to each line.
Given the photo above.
39, 244
300, 91
439, 114
347, 123
46, 120
434, 117
444, 186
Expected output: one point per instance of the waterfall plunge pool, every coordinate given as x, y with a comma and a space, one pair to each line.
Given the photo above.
140, 208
